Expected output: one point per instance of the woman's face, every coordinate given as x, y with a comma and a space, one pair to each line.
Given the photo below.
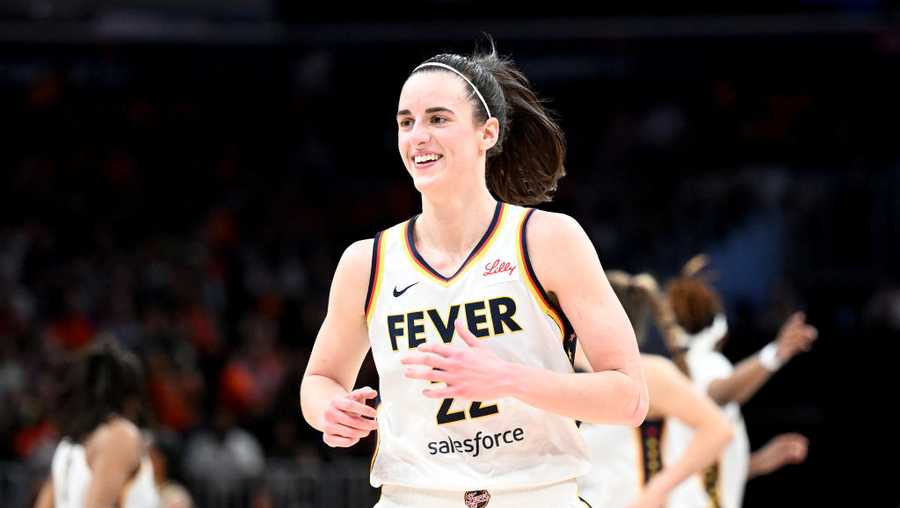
439, 141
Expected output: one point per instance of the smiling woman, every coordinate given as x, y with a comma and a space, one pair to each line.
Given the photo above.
473, 362
526, 157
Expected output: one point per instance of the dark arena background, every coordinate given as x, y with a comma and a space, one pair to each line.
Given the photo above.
182, 177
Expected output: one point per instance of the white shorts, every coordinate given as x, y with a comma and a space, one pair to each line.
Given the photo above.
557, 495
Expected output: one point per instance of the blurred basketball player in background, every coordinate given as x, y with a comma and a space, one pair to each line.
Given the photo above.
102, 459
698, 327
630, 468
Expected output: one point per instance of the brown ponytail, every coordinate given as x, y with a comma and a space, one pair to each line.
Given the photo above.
694, 302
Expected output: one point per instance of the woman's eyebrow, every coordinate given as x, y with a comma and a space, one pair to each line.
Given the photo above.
437, 109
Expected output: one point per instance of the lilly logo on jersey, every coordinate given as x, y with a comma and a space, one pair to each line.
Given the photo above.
496, 266
477, 498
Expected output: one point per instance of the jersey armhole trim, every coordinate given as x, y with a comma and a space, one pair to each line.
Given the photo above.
375, 274
531, 280
377, 444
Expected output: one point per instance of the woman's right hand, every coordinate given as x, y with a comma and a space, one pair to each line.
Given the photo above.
348, 419
795, 337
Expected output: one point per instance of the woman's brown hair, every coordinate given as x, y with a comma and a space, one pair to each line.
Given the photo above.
523, 168
694, 302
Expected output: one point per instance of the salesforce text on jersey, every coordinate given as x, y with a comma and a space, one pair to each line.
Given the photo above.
477, 444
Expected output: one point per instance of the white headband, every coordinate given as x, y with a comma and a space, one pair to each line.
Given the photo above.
445, 66
707, 338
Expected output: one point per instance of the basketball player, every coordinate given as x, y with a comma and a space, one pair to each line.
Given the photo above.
630, 467
701, 326
101, 461
471, 310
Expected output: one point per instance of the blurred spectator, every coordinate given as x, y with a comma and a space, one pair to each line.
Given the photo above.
225, 460
164, 455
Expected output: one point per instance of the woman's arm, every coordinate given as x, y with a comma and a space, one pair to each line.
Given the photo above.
45, 496
115, 461
672, 395
566, 264
326, 399
753, 372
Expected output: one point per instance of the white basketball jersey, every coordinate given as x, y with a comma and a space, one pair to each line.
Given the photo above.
455, 444
722, 487
71, 476
623, 459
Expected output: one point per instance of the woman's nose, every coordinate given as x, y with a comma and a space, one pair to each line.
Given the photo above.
420, 133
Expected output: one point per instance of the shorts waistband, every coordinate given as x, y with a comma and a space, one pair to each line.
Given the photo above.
557, 495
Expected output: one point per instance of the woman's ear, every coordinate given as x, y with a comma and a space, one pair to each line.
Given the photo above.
490, 133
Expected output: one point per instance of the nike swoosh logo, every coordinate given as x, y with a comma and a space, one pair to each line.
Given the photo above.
398, 293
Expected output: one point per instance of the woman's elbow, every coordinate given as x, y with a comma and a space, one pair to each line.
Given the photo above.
306, 405
641, 404
719, 430
726, 432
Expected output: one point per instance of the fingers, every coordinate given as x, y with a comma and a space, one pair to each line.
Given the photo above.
790, 448
793, 453
799, 438
796, 336
807, 334
338, 441
811, 334
361, 394
428, 359
439, 393
790, 437
793, 323
439, 349
798, 454
796, 324
355, 408
428, 375
466, 335
798, 445
337, 429
338, 432
348, 419
793, 327
335, 416
802, 338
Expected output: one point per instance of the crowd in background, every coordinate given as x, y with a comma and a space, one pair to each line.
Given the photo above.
197, 222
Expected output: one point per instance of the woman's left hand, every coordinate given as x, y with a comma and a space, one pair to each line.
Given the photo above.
473, 372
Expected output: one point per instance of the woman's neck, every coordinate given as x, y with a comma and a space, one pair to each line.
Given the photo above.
454, 225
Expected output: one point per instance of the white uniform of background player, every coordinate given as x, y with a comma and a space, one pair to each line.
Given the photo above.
71, 475
727, 490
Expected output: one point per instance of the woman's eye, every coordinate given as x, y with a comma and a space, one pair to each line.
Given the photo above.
438, 119
406, 122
